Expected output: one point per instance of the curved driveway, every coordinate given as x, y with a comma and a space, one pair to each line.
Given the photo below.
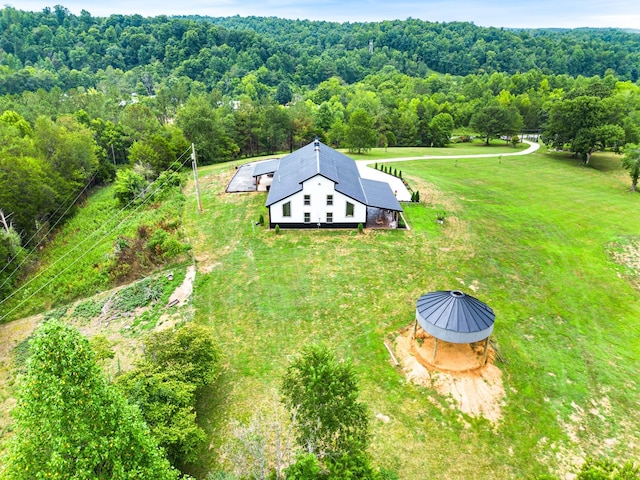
396, 184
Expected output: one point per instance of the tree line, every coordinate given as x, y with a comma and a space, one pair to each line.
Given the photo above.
54, 48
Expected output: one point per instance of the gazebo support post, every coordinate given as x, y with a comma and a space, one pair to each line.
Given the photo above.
486, 347
435, 349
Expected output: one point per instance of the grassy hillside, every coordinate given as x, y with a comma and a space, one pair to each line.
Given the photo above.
534, 237
104, 245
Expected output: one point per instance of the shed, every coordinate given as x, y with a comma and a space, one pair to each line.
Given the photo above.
455, 317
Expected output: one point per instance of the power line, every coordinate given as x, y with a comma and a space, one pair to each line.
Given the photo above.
46, 234
148, 196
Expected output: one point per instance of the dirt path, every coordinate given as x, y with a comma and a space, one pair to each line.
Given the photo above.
126, 348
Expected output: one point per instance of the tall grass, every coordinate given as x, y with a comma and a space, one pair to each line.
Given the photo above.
79, 260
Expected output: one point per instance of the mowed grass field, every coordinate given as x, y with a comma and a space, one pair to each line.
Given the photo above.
533, 235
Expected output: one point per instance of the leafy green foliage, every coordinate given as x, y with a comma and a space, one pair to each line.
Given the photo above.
12, 252
440, 129
606, 469
208, 126
71, 423
165, 384
585, 123
139, 294
361, 134
189, 349
631, 162
494, 120
88, 309
54, 48
129, 187
321, 394
306, 467
135, 256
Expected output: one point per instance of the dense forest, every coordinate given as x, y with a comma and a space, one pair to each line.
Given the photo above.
81, 97
54, 48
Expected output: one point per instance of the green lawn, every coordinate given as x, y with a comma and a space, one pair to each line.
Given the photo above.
532, 232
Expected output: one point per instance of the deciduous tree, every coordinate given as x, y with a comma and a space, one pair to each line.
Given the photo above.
631, 162
177, 363
321, 393
495, 120
71, 423
584, 124
360, 132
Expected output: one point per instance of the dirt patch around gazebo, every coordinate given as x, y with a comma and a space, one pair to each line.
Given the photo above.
458, 373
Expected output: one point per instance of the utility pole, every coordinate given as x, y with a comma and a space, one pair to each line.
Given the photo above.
194, 164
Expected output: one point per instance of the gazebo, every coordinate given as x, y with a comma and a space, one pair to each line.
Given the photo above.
455, 317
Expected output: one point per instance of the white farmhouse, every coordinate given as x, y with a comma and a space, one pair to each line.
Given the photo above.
317, 186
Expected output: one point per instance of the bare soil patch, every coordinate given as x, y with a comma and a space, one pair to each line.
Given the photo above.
458, 373
627, 254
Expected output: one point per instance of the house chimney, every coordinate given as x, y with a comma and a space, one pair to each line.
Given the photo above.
316, 145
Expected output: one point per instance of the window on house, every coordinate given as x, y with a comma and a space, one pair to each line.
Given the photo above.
307, 217
329, 199
329, 217
307, 199
349, 209
286, 209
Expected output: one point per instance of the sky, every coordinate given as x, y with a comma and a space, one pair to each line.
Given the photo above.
486, 13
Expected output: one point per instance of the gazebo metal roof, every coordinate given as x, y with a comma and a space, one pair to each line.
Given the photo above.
454, 316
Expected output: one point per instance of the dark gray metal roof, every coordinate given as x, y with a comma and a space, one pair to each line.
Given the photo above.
379, 195
454, 316
309, 161
265, 167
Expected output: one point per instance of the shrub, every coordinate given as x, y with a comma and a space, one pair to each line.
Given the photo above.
129, 187
88, 309
139, 294
165, 384
277, 229
360, 228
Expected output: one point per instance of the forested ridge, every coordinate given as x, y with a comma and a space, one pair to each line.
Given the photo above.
56, 48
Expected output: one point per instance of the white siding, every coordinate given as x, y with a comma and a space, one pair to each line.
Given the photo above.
318, 187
